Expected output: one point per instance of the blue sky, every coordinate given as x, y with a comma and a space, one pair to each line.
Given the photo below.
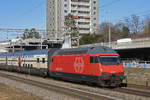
123, 8
22, 14
32, 13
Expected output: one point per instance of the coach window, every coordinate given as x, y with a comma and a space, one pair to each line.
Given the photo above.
43, 60
38, 60
94, 59
28, 65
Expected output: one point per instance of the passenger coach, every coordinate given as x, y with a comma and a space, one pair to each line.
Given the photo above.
31, 62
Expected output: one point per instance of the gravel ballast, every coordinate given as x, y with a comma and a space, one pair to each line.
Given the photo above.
51, 95
10, 93
39, 92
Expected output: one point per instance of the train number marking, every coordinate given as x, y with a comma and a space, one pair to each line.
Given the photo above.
79, 65
59, 69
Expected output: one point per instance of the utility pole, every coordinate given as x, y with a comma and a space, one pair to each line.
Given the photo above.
109, 35
109, 28
56, 7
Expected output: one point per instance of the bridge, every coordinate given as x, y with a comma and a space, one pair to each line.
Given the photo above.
137, 43
135, 49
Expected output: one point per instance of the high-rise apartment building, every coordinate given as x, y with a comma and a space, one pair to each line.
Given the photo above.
85, 13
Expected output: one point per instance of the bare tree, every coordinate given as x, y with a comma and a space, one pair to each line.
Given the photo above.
134, 23
104, 30
127, 22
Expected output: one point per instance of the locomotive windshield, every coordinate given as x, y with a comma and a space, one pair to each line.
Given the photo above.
110, 60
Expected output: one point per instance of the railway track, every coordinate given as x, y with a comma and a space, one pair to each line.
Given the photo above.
77, 93
133, 91
83, 94
139, 86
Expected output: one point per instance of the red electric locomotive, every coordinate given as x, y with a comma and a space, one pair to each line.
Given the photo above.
100, 65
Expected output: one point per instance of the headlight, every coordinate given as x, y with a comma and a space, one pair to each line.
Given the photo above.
104, 74
121, 73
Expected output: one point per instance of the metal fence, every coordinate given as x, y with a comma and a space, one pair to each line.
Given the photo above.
140, 64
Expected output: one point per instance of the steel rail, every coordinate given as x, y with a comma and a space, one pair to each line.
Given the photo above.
85, 94
76, 93
143, 87
132, 91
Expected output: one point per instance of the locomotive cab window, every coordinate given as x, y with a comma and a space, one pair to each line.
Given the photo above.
110, 60
94, 59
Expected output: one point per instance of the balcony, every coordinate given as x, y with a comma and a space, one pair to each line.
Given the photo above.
75, 17
84, 31
83, 20
83, 23
80, 2
74, 0
84, 27
83, 9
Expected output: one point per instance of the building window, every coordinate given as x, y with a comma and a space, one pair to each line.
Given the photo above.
65, 5
83, 23
73, 11
65, 11
38, 60
94, 2
43, 60
72, 5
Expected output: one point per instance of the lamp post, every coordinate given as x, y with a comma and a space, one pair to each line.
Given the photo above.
107, 12
109, 35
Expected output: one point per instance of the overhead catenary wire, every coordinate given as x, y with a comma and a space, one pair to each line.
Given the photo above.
29, 11
33, 8
19, 32
110, 3
143, 13
138, 13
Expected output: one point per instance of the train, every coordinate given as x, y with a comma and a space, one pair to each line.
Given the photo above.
98, 65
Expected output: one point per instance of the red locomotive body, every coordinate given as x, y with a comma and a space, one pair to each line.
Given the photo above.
100, 65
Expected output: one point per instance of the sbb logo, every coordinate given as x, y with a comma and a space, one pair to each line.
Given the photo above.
79, 65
